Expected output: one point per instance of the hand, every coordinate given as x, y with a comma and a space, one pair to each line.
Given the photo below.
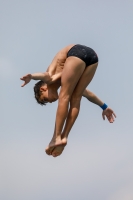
109, 113
26, 79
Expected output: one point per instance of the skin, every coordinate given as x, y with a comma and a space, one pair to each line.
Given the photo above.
71, 75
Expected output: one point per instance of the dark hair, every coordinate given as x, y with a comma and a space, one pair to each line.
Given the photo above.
38, 93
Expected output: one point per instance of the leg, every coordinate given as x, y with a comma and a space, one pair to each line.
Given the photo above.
72, 72
75, 105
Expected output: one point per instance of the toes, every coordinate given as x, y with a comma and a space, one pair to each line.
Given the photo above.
49, 150
57, 151
56, 154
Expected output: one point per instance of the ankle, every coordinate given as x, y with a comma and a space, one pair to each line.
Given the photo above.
56, 137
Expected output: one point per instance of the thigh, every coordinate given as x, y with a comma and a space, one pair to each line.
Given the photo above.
72, 72
84, 81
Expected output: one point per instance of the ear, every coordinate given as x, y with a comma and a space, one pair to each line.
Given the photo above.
43, 88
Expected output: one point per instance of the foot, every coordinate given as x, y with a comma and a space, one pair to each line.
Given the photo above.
54, 143
57, 151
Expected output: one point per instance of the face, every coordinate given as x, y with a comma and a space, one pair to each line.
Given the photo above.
48, 95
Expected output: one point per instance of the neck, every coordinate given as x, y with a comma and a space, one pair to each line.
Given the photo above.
55, 86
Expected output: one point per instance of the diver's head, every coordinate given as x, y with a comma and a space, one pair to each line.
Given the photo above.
45, 93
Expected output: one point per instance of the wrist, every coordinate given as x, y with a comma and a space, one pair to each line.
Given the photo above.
104, 106
30, 76
33, 76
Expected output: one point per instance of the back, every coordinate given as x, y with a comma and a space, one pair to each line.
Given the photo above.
59, 60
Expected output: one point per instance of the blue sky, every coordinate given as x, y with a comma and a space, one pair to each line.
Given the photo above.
97, 162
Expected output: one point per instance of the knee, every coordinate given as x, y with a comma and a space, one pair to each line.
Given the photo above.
64, 99
75, 99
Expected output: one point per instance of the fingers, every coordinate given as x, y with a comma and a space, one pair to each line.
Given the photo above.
23, 78
111, 112
114, 114
23, 85
27, 75
103, 116
111, 118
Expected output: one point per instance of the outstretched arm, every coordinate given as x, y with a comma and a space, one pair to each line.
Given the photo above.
41, 76
37, 76
48, 77
107, 112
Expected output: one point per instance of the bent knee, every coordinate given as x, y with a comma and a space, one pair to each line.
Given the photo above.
64, 98
75, 99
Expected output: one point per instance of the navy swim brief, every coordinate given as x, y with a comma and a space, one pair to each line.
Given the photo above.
85, 53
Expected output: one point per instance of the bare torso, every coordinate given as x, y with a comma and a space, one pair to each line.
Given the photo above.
59, 60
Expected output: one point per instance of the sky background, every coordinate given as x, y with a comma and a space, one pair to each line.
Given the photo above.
97, 163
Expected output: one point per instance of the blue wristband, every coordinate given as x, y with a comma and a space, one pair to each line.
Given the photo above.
104, 106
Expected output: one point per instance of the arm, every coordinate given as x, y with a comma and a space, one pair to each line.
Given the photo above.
46, 77
41, 76
108, 112
92, 97
37, 76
